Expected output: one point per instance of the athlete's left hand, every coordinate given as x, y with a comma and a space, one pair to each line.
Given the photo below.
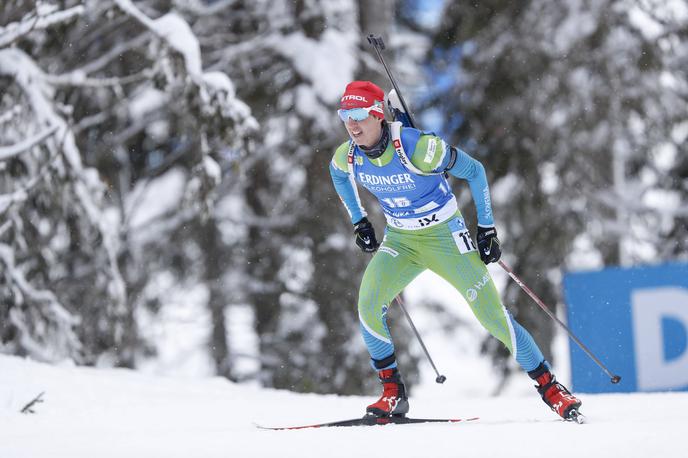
488, 244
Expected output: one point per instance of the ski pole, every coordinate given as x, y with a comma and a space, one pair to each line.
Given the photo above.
538, 301
440, 378
379, 45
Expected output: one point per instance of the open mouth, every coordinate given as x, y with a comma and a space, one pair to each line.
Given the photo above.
356, 132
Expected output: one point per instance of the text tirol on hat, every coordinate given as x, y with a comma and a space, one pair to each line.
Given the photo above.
361, 99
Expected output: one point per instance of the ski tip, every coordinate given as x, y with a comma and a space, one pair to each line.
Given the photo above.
264, 428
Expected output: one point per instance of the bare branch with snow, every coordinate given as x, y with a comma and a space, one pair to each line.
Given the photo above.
200, 8
43, 18
173, 30
21, 194
113, 53
78, 79
10, 114
4, 227
54, 314
8, 152
86, 185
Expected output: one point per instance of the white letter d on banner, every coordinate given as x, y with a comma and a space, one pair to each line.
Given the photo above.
650, 307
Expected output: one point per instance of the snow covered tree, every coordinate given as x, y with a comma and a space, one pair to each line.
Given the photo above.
54, 232
103, 86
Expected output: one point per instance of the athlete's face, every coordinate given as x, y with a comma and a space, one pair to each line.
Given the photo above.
364, 133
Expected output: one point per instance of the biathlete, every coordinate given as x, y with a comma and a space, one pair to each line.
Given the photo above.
404, 169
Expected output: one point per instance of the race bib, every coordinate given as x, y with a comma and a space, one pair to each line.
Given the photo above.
462, 237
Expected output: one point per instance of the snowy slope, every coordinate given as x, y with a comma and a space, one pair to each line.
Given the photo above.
119, 413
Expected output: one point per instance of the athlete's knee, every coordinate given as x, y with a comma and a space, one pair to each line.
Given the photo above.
372, 314
369, 310
372, 302
496, 321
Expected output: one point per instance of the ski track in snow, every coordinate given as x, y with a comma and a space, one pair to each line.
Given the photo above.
120, 413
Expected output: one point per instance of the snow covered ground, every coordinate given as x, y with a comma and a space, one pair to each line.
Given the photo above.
120, 413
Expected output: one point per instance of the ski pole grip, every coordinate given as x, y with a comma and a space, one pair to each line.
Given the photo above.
376, 41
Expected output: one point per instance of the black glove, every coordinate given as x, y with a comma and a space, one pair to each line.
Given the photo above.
365, 236
488, 244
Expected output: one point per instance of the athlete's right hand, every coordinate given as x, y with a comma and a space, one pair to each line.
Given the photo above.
365, 236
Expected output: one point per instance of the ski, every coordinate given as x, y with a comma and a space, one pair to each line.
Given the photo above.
370, 420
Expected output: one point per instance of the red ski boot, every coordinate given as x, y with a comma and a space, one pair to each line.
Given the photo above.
393, 400
555, 395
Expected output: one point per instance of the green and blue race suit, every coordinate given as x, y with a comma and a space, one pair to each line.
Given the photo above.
425, 230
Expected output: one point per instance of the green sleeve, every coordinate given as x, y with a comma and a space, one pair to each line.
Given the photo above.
429, 153
339, 160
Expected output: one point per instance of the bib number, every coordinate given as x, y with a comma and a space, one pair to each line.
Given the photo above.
462, 237
464, 242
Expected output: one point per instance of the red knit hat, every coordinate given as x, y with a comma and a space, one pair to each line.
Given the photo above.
362, 94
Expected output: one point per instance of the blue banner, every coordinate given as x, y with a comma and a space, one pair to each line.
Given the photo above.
635, 321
